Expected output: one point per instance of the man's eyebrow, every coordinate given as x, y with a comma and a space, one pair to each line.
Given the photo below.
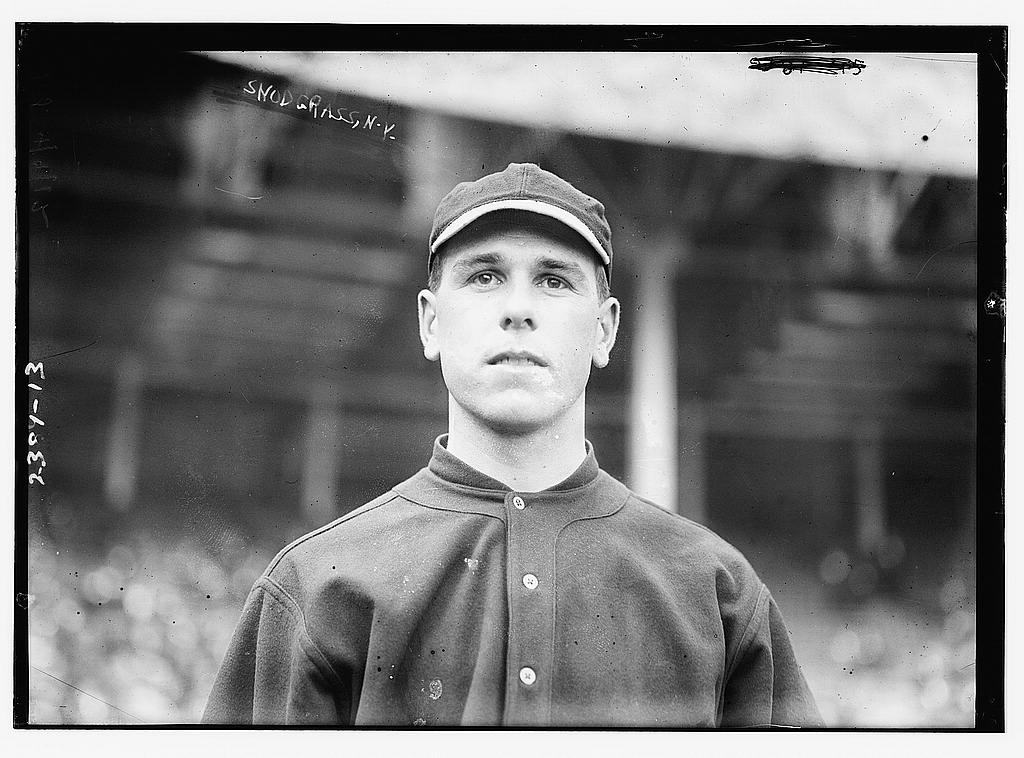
560, 266
478, 259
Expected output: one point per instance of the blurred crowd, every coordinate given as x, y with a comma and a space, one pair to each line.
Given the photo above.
888, 662
132, 634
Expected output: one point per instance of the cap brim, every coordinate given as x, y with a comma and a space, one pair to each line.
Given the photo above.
534, 206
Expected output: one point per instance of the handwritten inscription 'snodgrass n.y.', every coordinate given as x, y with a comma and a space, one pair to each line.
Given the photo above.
317, 108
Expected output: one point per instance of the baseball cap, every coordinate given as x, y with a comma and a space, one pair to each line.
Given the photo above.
523, 187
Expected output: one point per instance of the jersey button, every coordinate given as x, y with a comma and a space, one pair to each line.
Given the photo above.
527, 675
530, 582
518, 502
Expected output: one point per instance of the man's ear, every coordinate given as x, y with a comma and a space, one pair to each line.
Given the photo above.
427, 302
606, 330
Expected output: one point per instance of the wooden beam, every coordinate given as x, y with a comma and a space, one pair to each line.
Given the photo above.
295, 209
421, 392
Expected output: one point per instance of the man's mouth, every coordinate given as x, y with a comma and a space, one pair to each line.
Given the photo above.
517, 359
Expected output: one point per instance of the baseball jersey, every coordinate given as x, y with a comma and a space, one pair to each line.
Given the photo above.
453, 600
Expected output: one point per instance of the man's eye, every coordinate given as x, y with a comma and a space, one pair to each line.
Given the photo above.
485, 278
554, 283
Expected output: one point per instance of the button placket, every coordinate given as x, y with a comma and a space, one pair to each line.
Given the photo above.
532, 531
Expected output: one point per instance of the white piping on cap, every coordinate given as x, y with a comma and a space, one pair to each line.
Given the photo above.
536, 206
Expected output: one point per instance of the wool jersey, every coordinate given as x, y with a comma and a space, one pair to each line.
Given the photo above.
453, 600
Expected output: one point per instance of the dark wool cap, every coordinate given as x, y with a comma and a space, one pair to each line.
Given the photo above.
524, 187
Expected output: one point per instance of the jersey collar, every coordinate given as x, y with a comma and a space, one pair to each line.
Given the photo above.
453, 469
449, 483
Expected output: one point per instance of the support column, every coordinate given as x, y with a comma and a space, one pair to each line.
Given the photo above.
444, 151
870, 460
323, 455
123, 439
653, 418
693, 435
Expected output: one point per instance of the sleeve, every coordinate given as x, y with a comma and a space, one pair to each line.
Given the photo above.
765, 686
272, 672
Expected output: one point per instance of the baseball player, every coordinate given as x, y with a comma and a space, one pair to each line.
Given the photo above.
512, 581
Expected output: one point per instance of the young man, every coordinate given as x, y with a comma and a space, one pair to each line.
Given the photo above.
511, 581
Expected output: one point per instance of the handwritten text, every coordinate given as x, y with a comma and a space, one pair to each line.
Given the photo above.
41, 178
35, 457
813, 64
318, 108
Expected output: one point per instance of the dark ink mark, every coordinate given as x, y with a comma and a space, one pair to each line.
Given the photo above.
813, 64
72, 350
291, 481
87, 694
924, 137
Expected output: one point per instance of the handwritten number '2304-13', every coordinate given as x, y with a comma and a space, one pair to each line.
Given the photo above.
35, 456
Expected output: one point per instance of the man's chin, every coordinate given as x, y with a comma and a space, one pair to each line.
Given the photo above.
514, 427
517, 419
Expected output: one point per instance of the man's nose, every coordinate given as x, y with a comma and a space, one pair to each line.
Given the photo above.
518, 308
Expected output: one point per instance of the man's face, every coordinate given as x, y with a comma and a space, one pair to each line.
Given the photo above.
516, 323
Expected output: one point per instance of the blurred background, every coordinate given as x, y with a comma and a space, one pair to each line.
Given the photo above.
224, 254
